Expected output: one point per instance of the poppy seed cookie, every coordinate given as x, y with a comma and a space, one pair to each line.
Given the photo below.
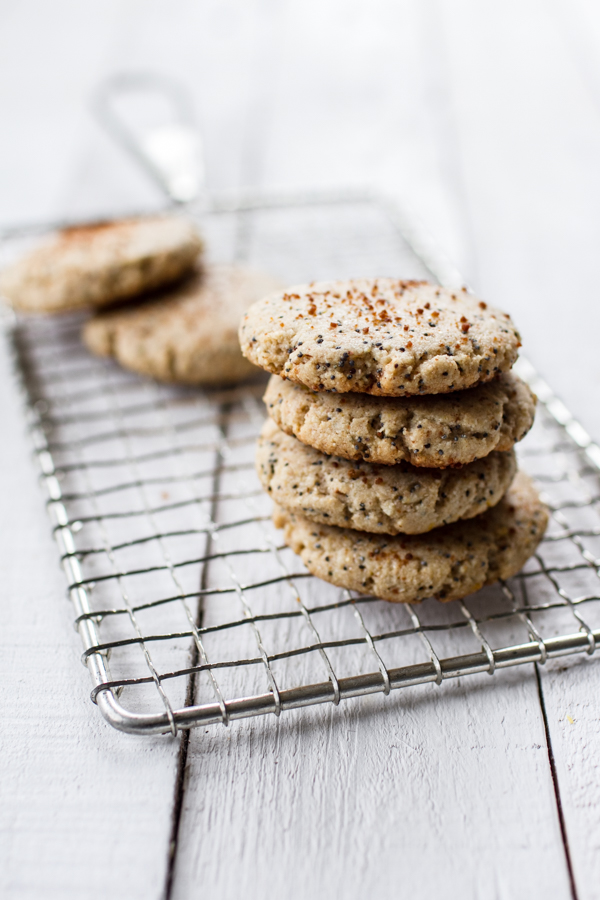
188, 335
368, 497
96, 265
449, 563
379, 336
434, 431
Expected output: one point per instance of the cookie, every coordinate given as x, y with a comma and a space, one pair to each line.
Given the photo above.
379, 336
369, 497
188, 335
96, 265
434, 431
448, 563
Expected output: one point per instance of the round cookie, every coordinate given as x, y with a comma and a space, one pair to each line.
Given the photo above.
379, 336
96, 265
449, 563
434, 431
189, 335
368, 497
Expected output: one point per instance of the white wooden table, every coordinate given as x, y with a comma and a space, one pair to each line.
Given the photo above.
486, 118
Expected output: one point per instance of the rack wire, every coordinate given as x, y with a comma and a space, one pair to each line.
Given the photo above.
190, 609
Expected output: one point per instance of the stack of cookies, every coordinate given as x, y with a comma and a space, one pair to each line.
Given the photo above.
389, 450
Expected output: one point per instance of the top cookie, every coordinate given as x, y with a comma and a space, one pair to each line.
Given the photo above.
379, 336
95, 265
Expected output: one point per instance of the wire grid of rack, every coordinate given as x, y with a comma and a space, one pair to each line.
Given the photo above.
190, 609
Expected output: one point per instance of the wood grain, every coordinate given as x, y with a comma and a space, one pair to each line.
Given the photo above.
532, 199
84, 810
425, 792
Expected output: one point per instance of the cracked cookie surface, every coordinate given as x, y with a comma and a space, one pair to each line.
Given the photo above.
379, 336
96, 265
187, 336
449, 563
433, 431
376, 498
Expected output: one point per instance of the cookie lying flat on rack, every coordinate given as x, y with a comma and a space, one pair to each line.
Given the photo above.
449, 563
434, 431
375, 498
379, 336
96, 265
188, 335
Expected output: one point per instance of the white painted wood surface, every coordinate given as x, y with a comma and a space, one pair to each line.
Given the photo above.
79, 802
486, 118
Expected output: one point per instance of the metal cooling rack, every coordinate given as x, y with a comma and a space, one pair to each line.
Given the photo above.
190, 610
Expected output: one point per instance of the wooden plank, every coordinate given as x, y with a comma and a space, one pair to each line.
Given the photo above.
530, 133
570, 694
420, 798
69, 781
84, 809
415, 800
